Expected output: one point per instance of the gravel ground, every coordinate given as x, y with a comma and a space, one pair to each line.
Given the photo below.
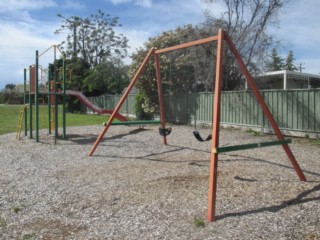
134, 187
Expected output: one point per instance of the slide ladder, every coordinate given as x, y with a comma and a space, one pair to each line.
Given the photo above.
21, 113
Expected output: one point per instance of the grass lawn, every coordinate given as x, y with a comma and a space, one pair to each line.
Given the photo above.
9, 116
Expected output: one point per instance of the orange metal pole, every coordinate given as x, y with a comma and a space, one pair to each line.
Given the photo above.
188, 44
215, 132
264, 107
125, 95
162, 114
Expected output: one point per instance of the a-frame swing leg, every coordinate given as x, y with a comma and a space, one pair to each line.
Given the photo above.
216, 121
121, 101
213, 176
264, 107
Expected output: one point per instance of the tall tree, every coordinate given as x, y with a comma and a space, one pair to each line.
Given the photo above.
289, 65
246, 21
108, 77
93, 38
275, 62
182, 71
10, 92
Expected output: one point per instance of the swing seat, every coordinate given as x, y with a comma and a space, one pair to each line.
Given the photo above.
199, 138
164, 131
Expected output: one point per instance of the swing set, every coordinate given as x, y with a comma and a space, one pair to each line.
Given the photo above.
221, 39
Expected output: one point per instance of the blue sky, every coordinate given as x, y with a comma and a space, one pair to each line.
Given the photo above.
28, 25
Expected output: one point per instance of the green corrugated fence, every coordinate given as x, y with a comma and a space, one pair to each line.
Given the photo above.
297, 110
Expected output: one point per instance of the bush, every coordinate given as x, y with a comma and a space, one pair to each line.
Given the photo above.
142, 112
2, 98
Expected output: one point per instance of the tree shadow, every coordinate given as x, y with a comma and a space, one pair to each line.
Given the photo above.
91, 138
248, 159
300, 199
240, 158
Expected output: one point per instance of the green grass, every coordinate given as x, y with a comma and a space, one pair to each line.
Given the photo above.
3, 224
199, 222
9, 116
253, 132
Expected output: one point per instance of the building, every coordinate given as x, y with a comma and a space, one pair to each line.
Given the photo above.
285, 79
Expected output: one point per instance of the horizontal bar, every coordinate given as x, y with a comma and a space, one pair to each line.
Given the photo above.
136, 122
188, 44
249, 146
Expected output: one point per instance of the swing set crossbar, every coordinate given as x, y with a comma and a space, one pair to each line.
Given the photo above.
136, 122
249, 146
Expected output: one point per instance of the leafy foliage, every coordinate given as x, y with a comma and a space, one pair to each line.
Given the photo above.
289, 65
198, 222
180, 70
93, 38
276, 62
107, 77
10, 93
96, 52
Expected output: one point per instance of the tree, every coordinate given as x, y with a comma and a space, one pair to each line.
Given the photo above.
108, 77
96, 52
181, 71
9, 92
275, 63
289, 65
93, 38
177, 68
10, 87
246, 21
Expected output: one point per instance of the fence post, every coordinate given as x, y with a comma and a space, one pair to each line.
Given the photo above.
263, 116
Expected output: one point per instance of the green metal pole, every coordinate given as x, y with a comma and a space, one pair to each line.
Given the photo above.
36, 96
25, 100
30, 102
64, 100
55, 95
49, 100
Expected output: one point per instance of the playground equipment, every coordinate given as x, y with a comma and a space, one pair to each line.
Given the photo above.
92, 106
55, 86
221, 38
23, 111
52, 93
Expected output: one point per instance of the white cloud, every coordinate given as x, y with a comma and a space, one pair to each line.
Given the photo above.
17, 47
116, 2
17, 5
144, 3
299, 24
73, 5
141, 3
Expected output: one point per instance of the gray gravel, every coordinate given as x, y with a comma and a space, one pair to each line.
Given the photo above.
134, 187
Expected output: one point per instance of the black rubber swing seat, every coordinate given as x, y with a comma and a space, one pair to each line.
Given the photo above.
199, 138
164, 131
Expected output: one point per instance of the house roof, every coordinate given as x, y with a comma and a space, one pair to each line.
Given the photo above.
290, 75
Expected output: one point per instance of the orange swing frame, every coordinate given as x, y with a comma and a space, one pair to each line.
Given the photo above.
221, 38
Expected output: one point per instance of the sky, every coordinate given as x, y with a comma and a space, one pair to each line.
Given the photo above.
29, 25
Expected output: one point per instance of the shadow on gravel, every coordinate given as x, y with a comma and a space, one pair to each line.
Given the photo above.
91, 138
242, 158
300, 199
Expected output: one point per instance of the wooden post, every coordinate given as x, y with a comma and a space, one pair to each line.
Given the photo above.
123, 98
264, 107
215, 132
162, 114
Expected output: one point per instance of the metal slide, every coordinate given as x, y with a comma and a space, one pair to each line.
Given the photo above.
92, 106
